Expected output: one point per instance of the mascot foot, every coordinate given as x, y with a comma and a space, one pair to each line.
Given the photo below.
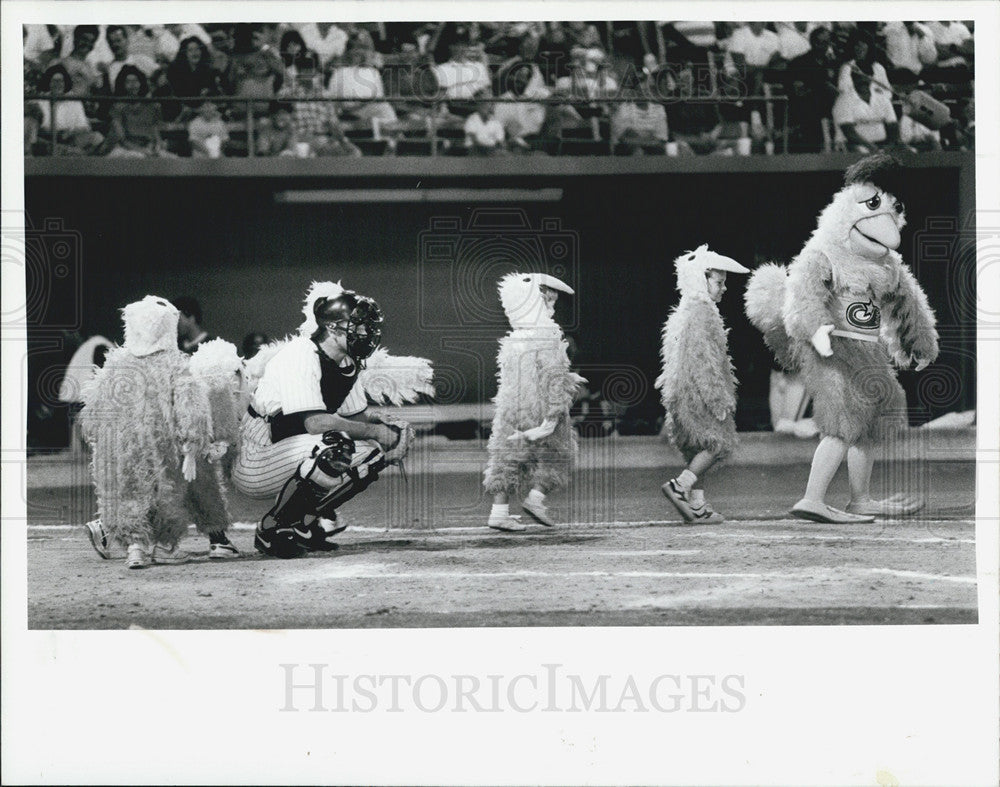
538, 512
509, 524
137, 557
820, 512
897, 505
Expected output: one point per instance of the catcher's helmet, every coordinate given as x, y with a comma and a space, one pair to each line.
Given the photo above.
352, 312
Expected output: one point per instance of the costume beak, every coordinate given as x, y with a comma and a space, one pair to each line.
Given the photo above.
553, 283
718, 262
881, 229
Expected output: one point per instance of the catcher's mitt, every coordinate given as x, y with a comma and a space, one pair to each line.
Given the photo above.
404, 438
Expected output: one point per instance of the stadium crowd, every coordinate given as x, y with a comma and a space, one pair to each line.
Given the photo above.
470, 88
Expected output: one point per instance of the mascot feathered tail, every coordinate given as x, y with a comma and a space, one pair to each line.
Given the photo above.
765, 300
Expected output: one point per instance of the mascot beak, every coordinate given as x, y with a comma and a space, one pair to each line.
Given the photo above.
553, 283
879, 231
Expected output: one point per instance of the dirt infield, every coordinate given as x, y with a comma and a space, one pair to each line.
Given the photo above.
622, 562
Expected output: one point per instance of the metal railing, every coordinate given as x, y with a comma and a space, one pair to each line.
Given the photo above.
430, 115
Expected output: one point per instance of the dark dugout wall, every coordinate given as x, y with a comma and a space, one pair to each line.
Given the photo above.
249, 260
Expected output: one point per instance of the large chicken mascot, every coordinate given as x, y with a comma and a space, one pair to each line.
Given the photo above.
844, 313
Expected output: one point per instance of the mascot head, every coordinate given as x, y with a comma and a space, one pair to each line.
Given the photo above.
693, 269
866, 216
217, 362
528, 299
150, 326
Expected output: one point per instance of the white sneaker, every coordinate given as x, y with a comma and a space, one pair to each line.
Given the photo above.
98, 538
165, 556
137, 557
538, 512
222, 551
509, 524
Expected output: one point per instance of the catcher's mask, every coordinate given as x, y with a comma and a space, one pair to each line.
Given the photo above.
358, 316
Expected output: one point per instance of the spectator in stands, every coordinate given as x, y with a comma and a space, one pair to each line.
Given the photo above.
793, 39
863, 112
640, 125
315, 122
135, 126
258, 70
590, 76
207, 132
191, 74
695, 124
276, 133
484, 135
84, 76
523, 118
42, 44
463, 76
156, 42
221, 52
754, 45
909, 47
118, 41
292, 46
554, 48
811, 89
73, 131
954, 45
325, 39
359, 78
160, 87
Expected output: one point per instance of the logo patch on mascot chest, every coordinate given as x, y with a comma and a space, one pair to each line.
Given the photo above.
864, 315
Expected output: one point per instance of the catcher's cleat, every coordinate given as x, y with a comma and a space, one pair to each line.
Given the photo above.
509, 524
277, 542
137, 556
98, 538
317, 536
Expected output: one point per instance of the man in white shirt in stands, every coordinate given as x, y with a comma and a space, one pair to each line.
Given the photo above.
484, 134
464, 75
909, 47
324, 38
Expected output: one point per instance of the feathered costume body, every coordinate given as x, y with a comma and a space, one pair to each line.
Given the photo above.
218, 367
697, 384
142, 411
880, 314
534, 384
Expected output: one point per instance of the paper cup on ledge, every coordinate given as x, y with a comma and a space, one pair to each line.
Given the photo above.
743, 146
302, 149
672, 149
213, 145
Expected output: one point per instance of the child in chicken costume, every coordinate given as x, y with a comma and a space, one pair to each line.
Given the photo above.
532, 442
697, 384
147, 419
219, 368
844, 312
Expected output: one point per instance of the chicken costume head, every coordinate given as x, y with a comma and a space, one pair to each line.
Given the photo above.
523, 301
692, 266
867, 215
150, 326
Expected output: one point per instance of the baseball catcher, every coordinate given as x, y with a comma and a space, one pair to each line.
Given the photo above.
307, 436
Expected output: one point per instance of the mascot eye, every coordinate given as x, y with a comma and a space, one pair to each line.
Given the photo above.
874, 202
527, 279
897, 206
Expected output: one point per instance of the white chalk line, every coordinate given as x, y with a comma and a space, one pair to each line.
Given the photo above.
335, 571
903, 574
